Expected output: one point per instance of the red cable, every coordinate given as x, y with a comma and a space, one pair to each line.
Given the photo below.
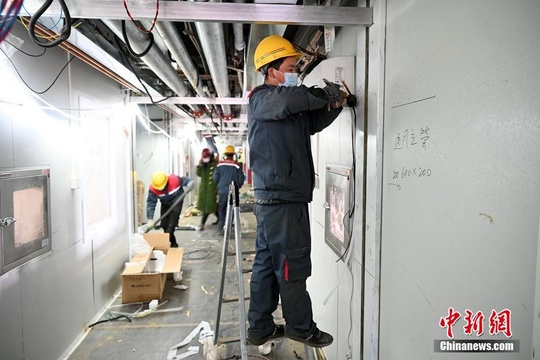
136, 23
5, 26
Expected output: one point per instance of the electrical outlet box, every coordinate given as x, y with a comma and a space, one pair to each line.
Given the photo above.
335, 69
340, 69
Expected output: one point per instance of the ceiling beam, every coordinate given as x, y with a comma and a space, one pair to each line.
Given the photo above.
213, 12
228, 130
239, 120
190, 100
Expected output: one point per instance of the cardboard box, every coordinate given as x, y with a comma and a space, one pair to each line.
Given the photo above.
138, 286
159, 240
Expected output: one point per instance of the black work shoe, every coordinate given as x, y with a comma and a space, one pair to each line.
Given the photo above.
174, 245
279, 331
317, 339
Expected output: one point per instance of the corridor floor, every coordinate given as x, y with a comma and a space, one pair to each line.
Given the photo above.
184, 305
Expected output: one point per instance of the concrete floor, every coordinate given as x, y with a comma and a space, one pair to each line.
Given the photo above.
181, 311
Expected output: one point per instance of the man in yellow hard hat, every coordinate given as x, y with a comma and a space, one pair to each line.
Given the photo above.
282, 116
169, 190
227, 170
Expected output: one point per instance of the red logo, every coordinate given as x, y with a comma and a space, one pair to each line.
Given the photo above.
499, 322
449, 321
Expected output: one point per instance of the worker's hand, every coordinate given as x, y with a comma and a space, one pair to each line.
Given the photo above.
339, 103
150, 224
336, 97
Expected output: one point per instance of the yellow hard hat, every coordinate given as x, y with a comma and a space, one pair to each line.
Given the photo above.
159, 180
229, 149
271, 48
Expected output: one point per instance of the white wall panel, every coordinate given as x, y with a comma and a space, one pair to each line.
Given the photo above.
11, 313
56, 293
461, 77
152, 155
325, 276
332, 280
65, 289
6, 146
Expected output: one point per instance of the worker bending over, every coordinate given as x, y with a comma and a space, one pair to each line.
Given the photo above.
169, 190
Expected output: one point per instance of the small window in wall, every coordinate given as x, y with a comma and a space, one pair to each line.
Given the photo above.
25, 225
29, 210
337, 219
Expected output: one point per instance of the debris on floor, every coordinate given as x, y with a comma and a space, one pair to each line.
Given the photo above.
206, 338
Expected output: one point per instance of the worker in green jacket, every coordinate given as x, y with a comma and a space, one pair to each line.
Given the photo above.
206, 202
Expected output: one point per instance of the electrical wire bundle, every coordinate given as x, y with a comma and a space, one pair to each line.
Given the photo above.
11, 10
65, 32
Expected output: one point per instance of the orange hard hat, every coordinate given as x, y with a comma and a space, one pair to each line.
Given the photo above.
229, 150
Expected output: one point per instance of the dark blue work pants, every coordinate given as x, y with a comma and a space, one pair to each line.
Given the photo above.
169, 222
281, 266
222, 202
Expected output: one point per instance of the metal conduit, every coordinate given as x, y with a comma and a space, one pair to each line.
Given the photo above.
238, 30
213, 45
155, 59
239, 45
176, 46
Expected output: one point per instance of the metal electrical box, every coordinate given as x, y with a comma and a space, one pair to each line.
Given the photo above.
25, 220
339, 192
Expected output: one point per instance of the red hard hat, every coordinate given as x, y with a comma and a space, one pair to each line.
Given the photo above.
206, 153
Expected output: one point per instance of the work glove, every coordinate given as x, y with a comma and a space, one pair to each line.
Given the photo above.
333, 92
150, 224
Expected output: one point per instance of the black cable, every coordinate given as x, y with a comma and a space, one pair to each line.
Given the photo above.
28, 86
109, 320
208, 254
310, 38
130, 49
128, 62
352, 203
65, 31
25, 53
212, 119
190, 33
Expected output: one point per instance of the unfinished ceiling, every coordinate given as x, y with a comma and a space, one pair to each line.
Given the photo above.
194, 60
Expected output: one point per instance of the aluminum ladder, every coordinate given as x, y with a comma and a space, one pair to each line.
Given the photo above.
233, 208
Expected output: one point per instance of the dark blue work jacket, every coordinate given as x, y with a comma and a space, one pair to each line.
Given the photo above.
281, 121
168, 195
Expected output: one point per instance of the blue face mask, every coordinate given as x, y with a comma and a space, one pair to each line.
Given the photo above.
291, 79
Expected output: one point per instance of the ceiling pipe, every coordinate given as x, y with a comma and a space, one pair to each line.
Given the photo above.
155, 59
174, 43
239, 46
213, 45
176, 46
